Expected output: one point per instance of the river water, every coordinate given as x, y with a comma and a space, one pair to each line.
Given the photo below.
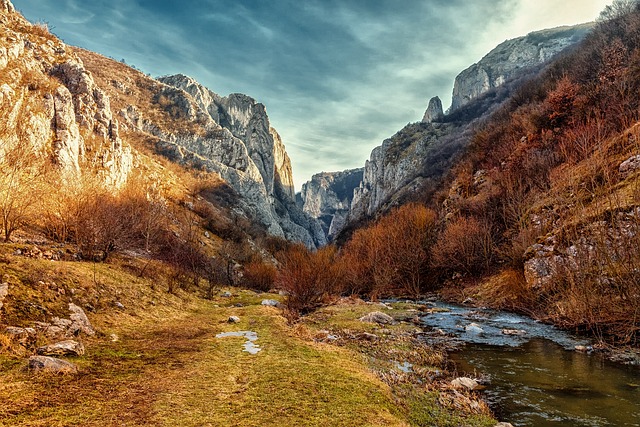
534, 377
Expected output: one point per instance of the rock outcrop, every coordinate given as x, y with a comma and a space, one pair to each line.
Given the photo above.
327, 197
239, 143
434, 111
51, 103
512, 58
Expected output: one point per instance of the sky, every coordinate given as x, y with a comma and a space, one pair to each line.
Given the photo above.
337, 76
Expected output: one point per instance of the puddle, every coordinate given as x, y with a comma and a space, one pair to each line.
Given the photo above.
249, 346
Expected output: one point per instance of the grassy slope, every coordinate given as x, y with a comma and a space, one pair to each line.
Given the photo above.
168, 369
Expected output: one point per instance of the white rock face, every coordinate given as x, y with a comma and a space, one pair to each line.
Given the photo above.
434, 111
245, 150
327, 197
510, 58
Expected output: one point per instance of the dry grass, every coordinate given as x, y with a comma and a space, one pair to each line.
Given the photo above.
167, 368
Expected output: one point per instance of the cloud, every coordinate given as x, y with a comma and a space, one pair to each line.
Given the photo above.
337, 76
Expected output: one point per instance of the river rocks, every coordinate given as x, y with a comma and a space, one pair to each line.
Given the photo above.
62, 348
377, 317
516, 332
51, 364
473, 328
465, 383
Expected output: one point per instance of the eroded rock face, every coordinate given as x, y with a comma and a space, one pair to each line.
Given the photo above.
434, 111
512, 57
51, 103
327, 197
245, 150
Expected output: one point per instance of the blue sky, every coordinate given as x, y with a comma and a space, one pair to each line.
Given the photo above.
337, 76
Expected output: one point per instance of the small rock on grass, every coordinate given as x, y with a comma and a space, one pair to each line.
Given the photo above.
51, 364
377, 317
233, 319
62, 348
226, 294
271, 302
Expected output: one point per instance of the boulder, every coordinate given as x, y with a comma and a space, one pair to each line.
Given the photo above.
434, 111
473, 328
233, 319
62, 348
80, 321
377, 317
51, 364
465, 383
26, 337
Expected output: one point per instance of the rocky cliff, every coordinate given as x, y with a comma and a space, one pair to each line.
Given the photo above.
86, 112
50, 101
511, 58
328, 196
407, 164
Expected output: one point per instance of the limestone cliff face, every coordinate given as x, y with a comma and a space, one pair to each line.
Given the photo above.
51, 101
434, 111
328, 196
512, 57
421, 152
239, 143
398, 164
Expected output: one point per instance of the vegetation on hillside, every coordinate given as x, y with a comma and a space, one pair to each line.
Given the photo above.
546, 169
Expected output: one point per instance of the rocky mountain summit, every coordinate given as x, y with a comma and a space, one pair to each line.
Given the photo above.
434, 111
92, 115
511, 58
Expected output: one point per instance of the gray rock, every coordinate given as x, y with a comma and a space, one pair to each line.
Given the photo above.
62, 348
80, 321
270, 302
226, 294
473, 328
118, 305
51, 364
510, 58
434, 111
233, 319
629, 166
377, 317
504, 425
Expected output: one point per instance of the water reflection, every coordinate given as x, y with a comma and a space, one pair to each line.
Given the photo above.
541, 384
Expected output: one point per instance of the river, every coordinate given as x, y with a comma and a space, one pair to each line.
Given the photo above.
534, 377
